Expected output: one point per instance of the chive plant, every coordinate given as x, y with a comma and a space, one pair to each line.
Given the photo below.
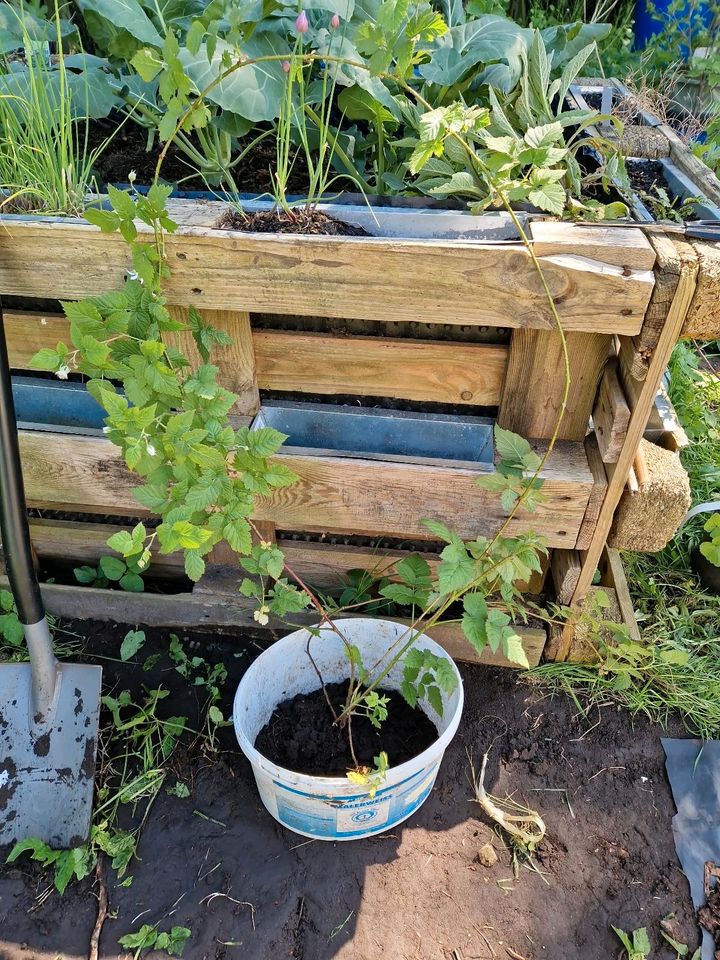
46, 162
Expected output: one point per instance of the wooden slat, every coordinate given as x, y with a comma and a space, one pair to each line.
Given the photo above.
321, 565
671, 252
355, 277
27, 331
534, 384
333, 494
628, 248
458, 373
236, 362
231, 614
78, 542
612, 574
611, 414
640, 413
597, 495
566, 566
356, 496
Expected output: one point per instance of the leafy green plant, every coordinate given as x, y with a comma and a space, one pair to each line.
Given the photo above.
636, 943
46, 162
148, 937
710, 548
211, 678
126, 572
11, 630
66, 864
664, 207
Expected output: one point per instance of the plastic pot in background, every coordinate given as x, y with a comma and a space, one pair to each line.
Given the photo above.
332, 808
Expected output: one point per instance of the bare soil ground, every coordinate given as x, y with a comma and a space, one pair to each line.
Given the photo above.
418, 893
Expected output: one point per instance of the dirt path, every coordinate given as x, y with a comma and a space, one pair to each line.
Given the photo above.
416, 894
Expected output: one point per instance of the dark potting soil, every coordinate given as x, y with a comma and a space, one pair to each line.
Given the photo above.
298, 220
301, 735
646, 175
217, 863
128, 151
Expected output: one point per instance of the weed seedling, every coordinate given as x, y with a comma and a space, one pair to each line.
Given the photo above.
148, 937
636, 944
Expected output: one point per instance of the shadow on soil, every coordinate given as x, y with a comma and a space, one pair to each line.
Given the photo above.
418, 893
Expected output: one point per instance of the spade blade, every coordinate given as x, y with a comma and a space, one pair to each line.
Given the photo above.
47, 771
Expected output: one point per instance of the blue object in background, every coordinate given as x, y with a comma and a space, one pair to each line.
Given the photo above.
646, 26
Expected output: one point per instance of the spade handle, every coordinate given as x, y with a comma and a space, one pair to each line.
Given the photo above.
17, 548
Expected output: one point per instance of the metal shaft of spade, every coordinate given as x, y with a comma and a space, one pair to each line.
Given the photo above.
18, 551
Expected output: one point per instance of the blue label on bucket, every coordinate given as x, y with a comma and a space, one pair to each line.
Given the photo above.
325, 816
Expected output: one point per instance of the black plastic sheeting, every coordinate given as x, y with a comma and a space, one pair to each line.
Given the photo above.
693, 768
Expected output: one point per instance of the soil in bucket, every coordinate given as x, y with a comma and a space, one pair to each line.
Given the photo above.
301, 735
301, 220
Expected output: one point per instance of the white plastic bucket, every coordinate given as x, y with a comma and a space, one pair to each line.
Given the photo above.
333, 808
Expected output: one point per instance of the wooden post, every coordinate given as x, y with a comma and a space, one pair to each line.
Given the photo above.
644, 399
535, 381
236, 363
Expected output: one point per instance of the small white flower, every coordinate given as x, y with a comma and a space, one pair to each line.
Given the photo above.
132, 177
62, 372
106, 429
43, 322
261, 617
151, 450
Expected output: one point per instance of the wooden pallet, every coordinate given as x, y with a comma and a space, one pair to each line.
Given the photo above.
475, 331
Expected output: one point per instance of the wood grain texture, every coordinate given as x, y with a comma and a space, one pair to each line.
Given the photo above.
640, 413
334, 494
232, 614
671, 252
597, 494
235, 363
565, 566
78, 542
458, 373
628, 248
612, 574
423, 370
371, 498
535, 381
611, 414
356, 277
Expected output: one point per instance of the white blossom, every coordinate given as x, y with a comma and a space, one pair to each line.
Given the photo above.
62, 372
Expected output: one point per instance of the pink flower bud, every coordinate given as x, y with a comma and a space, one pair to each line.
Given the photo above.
301, 23
286, 66
335, 21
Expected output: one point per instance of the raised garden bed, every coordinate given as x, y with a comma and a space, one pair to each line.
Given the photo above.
465, 339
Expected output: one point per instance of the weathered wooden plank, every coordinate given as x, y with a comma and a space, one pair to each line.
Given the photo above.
535, 381
356, 277
356, 496
612, 574
671, 253
78, 542
231, 614
611, 414
27, 331
235, 363
597, 494
444, 372
423, 370
628, 248
640, 413
333, 494
321, 565
565, 566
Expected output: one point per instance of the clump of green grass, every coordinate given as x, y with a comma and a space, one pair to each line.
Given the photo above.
46, 163
676, 670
